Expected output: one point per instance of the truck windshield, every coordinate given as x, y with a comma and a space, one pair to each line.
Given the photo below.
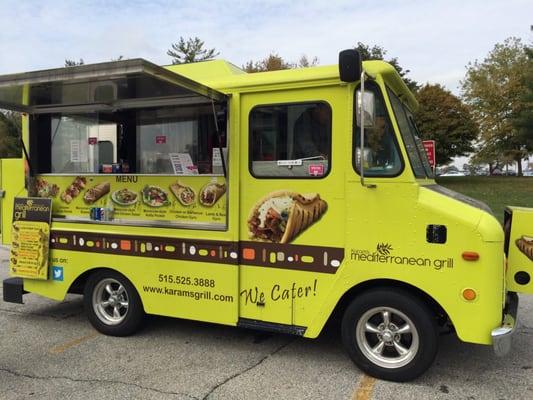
410, 135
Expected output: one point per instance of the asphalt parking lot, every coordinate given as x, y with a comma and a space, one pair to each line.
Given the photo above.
50, 351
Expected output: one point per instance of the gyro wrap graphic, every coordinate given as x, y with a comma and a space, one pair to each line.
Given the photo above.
281, 216
525, 244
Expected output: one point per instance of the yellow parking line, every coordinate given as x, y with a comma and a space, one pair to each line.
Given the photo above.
72, 343
363, 391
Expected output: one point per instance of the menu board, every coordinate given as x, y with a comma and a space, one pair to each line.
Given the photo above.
172, 199
30, 238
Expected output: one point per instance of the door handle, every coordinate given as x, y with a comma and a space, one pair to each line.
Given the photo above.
2, 194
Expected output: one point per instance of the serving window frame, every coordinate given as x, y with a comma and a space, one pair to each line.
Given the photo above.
176, 90
162, 223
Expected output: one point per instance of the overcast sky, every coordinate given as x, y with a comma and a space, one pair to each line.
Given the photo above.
434, 39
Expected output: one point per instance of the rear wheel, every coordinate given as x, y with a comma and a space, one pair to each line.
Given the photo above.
390, 334
112, 304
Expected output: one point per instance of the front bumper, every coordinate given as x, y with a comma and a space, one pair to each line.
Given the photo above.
503, 335
14, 290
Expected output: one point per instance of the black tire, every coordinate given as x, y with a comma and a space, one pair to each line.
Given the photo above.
389, 361
115, 319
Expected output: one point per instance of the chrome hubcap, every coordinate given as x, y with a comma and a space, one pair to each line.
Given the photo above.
110, 301
387, 337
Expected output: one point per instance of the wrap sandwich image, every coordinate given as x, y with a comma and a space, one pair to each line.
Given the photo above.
97, 192
211, 192
281, 216
185, 194
525, 244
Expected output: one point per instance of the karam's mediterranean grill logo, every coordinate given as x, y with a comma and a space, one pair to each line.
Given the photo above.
29, 209
383, 255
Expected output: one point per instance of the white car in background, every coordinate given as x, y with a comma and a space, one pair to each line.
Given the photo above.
453, 173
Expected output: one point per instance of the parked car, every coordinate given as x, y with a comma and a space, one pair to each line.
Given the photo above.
453, 173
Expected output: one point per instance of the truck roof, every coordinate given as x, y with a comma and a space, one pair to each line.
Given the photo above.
228, 78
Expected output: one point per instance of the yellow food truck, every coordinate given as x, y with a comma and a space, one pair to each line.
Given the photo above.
268, 201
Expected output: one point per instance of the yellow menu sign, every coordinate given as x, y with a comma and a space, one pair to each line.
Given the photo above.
190, 200
30, 238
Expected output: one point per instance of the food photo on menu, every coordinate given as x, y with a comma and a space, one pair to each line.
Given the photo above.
95, 193
184, 193
74, 189
211, 192
155, 196
124, 197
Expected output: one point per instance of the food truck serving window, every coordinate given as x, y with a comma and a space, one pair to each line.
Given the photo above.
290, 140
176, 141
163, 141
124, 142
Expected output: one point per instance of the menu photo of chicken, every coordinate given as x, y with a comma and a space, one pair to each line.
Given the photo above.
281, 216
42, 188
184, 193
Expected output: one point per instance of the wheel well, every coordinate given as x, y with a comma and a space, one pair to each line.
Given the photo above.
346, 299
78, 285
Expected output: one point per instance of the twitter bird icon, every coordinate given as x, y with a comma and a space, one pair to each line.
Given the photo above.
57, 273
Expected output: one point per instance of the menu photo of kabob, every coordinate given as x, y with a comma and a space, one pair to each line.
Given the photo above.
74, 189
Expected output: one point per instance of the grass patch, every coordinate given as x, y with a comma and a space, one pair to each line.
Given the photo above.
496, 191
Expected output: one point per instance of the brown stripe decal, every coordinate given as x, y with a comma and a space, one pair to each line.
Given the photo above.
292, 256
147, 246
272, 255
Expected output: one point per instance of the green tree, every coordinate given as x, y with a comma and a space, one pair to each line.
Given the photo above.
523, 120
274, 62
444, 118
73, 63
378, 53
304, 61
190, 50
494, 88
10, 134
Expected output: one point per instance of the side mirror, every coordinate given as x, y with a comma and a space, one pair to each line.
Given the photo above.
350, 65
366, 103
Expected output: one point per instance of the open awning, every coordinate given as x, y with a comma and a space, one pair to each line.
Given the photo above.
101, 87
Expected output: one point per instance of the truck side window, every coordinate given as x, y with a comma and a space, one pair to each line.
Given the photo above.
141, 140
290, 140
381, 155
166, 131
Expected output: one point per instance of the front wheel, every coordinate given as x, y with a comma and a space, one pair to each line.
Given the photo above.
112, 304
390, 334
